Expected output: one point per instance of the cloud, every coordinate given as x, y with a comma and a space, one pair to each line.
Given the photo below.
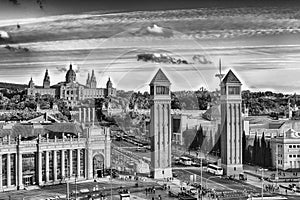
154, 30
202, 59
160, 58
65, 68
16, 49
4, 35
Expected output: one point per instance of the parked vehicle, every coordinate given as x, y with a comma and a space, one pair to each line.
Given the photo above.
214, 169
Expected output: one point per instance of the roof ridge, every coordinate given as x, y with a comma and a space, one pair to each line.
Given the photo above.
230, 77
160, 77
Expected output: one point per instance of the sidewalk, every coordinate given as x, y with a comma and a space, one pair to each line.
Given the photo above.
175, 187
254, 178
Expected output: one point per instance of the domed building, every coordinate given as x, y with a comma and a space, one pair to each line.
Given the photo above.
70, 89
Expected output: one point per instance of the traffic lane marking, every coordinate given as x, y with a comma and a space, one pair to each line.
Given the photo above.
222, 186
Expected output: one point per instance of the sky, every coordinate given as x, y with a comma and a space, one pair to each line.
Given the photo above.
259, 40
29, 8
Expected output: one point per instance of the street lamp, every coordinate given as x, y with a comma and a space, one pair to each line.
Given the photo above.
262, 181
75, 187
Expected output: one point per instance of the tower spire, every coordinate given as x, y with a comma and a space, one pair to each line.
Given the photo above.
220, 75
88, 81
46, 82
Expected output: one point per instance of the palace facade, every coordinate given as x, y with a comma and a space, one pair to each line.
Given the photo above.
70, 89
49, 153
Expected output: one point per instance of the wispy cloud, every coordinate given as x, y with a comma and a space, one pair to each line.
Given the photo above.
65, 68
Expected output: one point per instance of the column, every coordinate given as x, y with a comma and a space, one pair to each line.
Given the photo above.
78, 163
79, 114
89, 115
89, 164
71, 163
20, 171
47, 166
63, 163
40, 168
55, 165
93, 116
1, 186
8, 170
84, 115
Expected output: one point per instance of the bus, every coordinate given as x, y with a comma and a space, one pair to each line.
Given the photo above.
185, 161
214, 169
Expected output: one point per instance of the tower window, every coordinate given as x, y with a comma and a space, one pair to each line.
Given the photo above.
152, 90
234, 90
162, 90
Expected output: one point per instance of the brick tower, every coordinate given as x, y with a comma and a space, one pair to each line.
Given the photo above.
231, 124
160, 126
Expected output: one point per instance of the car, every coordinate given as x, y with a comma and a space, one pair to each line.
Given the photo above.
231, 177
196, 185
192, 191
175, 174
195, 164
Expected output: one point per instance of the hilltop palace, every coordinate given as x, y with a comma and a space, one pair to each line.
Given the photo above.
70, 89
45, 151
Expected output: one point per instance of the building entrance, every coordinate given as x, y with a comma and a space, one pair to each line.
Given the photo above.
28, 167
28, 180
99, 173
98, 166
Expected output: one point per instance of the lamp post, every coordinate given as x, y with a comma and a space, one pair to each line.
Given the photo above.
201, 166
262, 181
277, 176
76, 187
68, 190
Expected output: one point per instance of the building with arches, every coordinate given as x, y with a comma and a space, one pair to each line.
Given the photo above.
70, 89
47, 153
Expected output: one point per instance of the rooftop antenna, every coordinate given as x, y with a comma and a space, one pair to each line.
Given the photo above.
220, 75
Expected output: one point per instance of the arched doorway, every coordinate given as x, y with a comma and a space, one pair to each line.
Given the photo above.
98, 166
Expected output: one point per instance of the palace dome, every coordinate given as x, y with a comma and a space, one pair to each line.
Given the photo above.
71, 75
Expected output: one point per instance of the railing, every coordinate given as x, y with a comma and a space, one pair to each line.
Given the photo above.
8, 143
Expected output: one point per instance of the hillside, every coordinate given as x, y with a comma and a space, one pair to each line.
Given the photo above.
13, 86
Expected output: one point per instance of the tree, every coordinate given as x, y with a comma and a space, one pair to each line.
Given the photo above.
198, 140
203, 97
254, 150
263, 151
258, 153
175, 103
269, 156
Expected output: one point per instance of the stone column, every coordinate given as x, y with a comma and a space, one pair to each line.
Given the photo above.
93, 116
79, 115
55, 165
47, 166
1, 176
78, 163
8, 139
84, 115
70, 161
20, 171
89, 164
8, 170
40, 168
63, 163
89, 115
